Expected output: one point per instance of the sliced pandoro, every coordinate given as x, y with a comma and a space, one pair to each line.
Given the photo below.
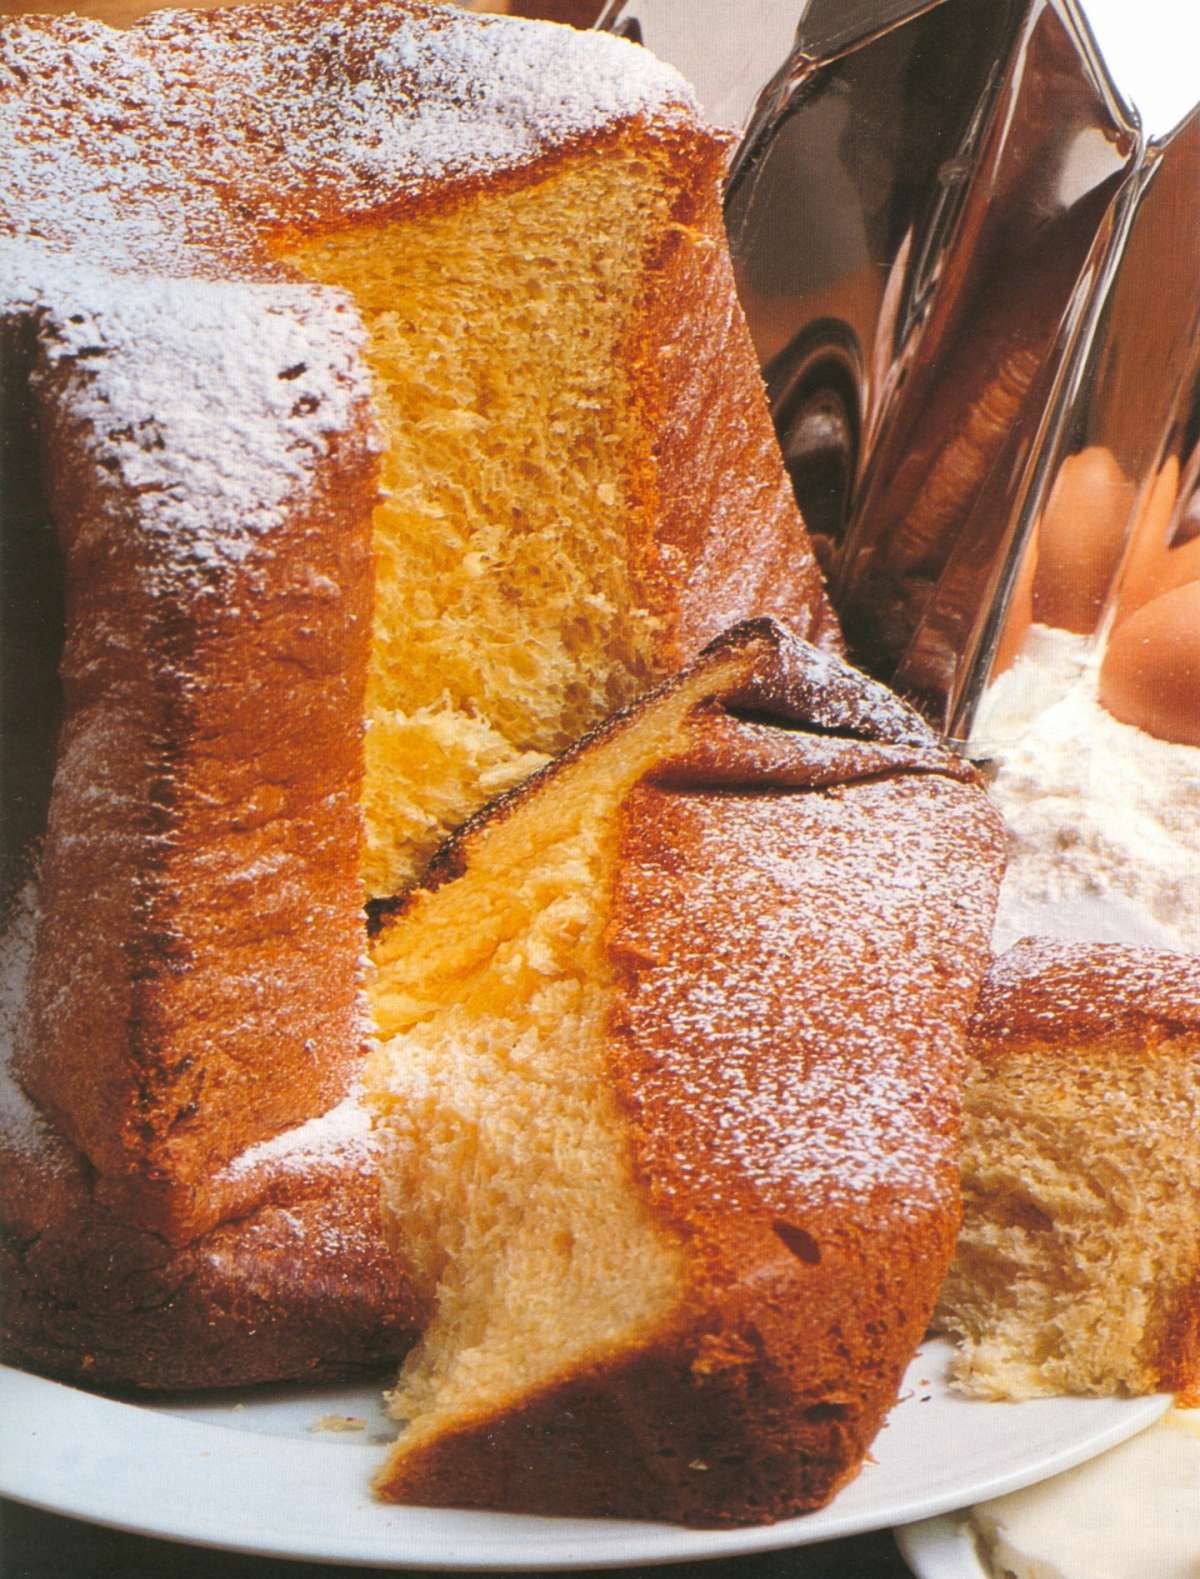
667, 1097
1077, 1269
397, 420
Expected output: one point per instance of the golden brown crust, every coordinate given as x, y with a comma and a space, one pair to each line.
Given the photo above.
822, 1111
758, 667
730, 542
204, 825
1115, 1001
1082, 993
1176, 1365
798, 923
196, 985
577, 13
300, 1287
338, 94
665, 1433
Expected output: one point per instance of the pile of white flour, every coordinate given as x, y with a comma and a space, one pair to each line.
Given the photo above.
1104, 820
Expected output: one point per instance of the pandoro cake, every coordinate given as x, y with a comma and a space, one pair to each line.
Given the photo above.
380, 371
667, 1094
1077, 1266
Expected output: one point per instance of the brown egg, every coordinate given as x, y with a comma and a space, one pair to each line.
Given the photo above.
1172, 567
1150, 676
1082, 533
1141, 578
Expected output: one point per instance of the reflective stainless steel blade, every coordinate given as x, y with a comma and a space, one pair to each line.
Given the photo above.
731, 49
919, 222
937, 216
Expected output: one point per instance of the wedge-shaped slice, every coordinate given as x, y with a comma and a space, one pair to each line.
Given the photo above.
668, 1093
1079, 1262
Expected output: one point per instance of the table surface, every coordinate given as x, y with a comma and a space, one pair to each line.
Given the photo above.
37, 1545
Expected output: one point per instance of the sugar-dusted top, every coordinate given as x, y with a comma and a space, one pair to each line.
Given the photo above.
24, 1133
338, 1136
798, 970
1066, 992
175, 145
815, 689
799, 921
151, 369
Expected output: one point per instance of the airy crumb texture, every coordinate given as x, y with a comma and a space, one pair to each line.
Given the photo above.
505, 1174
517, 521
1077, 1266
495, 195
667, 1094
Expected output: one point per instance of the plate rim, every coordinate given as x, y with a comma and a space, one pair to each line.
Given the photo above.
33, 1410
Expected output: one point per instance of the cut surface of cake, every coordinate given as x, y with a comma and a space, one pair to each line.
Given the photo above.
1077, 1266
380, 370
580, 485
550, 540
667, 1095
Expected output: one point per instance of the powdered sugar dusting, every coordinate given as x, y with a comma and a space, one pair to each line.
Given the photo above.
23, 1131
1055, 988
820, 690
330, 1137
175, 145
210, 402
806, 1040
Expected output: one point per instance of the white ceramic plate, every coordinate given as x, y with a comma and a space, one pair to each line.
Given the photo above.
247, 1472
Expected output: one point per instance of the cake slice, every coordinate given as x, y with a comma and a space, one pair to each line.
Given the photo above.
376, 415
1078, 1264
667, 1097
397, 422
